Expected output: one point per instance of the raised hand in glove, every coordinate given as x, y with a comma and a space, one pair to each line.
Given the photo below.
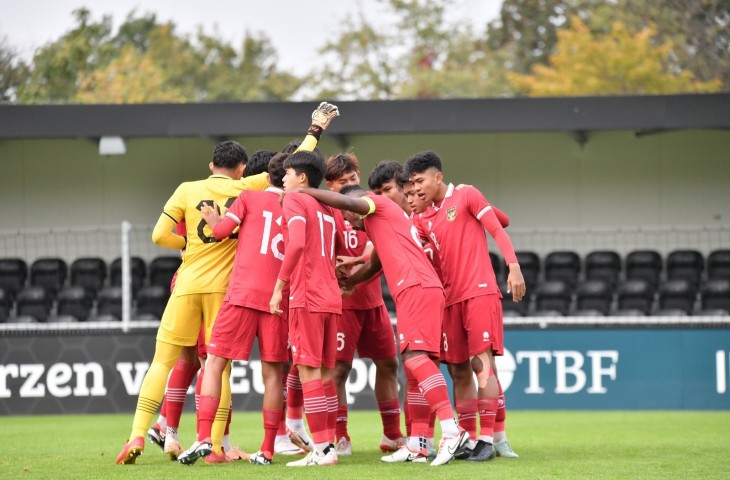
321, 118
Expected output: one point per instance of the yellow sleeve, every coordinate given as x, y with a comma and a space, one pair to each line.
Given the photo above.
256, 182
372, 206
175, 206
308, 144
163, 235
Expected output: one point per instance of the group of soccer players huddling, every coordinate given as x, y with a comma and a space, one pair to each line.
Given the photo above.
272, 256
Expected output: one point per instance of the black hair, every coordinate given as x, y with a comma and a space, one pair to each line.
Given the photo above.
384, 172
308, 163
401, 179
276, 169
351, 188
229, 154
291, 147
258, 163
422, 161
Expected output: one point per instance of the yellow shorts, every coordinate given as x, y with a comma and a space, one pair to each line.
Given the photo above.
184, 315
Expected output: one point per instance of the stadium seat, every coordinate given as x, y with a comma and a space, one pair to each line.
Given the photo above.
387, 298
34, 301
645, 265
595, 294
88, 272
510, 313
587, 313
162, 270
716, 294
718, 264
686, 264
603, 265
75, 301
498, 266
151, 299
712, 312
109, 302
49, 273
677, 293
5, 306
13, 274
139, 272
553, 295
563, 265
669, 312
530, 268
508, 305
627, 312
635, 294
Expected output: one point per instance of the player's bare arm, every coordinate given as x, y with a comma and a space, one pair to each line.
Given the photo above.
210, 215
337, 200
516, 282
368, 270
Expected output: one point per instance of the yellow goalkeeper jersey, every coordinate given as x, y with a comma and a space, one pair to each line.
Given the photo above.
207, 263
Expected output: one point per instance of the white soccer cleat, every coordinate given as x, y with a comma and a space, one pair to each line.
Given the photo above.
405, 454
156, 435
449, 447
300, 437
504, 449
287, 447
388, 445
197, 450
172, 449
431, 447
316, 459
259, 458
343, 446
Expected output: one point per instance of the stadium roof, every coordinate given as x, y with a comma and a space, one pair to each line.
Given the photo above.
573, 115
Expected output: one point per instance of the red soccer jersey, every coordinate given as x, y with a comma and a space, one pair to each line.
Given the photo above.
310, 234
368, 294
428, 247
396, 241
457, 229
260, 249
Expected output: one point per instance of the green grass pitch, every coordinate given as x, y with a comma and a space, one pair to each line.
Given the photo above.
559, 445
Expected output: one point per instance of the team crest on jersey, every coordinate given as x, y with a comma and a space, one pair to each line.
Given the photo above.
451, 214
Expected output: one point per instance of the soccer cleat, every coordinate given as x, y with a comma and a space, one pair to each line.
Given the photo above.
482, 452
196, 451
236, 453
388, 445
343, 446
504, 449
132, 449
172, 449
466, 451
214, 457
300, 438
156, 435
287, 447
316, 459
259, 458
449, 447
405, 454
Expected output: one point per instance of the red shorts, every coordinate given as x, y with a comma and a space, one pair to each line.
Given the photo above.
369, 331
313, 337
202, 348
236, 327
420, 312
471, 327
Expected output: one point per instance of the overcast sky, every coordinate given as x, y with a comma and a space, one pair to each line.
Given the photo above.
29, 24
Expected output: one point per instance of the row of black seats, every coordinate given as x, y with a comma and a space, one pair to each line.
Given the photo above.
608, 265
90, 273
631, 297
75, 303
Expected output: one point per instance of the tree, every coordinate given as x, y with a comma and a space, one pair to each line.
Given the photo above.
419, 56
13, 72
617, 63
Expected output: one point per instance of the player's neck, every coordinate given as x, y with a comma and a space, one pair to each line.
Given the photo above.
441, 194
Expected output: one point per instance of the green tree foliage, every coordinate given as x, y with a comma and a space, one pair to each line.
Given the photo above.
13, 72
619, 62
148, 61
